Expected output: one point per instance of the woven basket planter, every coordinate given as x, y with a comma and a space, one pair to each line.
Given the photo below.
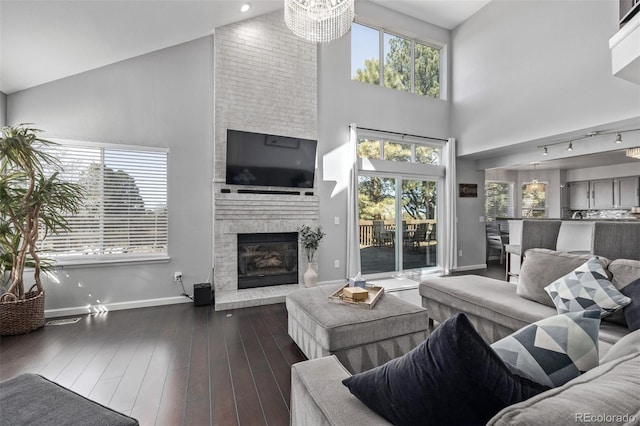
21, 316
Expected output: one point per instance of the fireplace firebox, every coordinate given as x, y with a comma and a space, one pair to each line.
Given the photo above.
267, 259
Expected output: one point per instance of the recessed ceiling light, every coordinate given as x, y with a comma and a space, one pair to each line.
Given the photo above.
245, 7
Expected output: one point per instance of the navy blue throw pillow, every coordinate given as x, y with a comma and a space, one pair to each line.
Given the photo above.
632, 310
451, 378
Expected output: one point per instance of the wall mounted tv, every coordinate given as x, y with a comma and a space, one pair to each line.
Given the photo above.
258, 159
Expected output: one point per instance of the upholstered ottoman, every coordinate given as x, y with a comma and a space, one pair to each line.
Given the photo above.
360, 338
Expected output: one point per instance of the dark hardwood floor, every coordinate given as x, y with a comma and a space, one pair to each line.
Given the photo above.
169, 365
174, 365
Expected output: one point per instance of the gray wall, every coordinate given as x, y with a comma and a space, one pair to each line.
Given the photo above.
342, 101
3, 109
162, 99
530, 69
471, 229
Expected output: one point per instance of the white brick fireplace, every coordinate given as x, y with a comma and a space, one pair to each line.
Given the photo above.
265, 82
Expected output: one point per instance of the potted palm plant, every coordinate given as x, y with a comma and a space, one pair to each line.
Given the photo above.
310, 239
34, 201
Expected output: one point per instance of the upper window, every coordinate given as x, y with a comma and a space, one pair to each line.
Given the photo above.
124, 214
534, 199
498, 199
398, 151
406, 64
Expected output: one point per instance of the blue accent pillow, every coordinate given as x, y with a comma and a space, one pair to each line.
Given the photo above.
632, 310
451, 378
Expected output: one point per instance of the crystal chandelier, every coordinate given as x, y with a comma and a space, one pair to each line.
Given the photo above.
633, 152
319, 21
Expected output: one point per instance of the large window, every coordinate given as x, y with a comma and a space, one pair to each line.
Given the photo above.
498, 199
124, 215
534, 199
403, 63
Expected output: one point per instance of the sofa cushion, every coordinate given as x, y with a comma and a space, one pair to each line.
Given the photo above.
542, 266
609, 391
587, 287
628, 344
623, 272
554, 350
487, 298
632, 310
453, 377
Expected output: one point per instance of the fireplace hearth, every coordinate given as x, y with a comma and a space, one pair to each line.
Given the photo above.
266, 259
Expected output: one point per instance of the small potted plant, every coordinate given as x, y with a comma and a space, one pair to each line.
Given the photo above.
34, 203
310, 239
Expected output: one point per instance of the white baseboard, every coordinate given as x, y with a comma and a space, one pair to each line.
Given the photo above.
118, 306
471, 267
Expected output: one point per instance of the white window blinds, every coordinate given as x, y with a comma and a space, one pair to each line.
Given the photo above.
125, 207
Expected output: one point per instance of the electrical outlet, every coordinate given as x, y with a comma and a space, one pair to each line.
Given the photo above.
336, 263
336, 220
177, 276
460, 253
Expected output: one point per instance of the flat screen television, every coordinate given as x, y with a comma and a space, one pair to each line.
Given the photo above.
259, 159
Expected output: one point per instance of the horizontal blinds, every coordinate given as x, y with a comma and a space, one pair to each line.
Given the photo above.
125, 205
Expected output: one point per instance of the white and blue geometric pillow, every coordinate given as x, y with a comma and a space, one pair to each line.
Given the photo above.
586, 287
554, 350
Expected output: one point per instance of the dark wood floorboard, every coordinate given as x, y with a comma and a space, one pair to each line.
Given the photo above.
173, 365
169, 365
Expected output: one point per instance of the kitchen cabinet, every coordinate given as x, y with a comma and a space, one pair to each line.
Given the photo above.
619, 193
601, 194
626, 192
579, 195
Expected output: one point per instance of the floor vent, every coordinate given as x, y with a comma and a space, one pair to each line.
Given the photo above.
63, 321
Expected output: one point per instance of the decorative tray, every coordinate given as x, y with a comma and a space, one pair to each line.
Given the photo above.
375, 293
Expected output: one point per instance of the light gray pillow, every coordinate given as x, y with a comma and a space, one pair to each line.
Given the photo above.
623, 272
542, 266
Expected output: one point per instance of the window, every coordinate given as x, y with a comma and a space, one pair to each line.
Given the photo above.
406, 64
534, 199
125, 209
398, 151
498, 199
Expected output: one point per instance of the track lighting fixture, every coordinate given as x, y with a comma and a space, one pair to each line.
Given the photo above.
545, 148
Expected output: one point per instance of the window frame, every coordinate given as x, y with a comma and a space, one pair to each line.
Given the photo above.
440, 46
72, 261
512, 204
544, 210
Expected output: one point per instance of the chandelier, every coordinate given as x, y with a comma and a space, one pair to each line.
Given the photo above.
319, 21
633, 152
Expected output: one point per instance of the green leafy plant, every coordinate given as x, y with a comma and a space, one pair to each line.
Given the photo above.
34, 202
310, 239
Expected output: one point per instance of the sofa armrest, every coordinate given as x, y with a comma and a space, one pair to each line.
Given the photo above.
318, 396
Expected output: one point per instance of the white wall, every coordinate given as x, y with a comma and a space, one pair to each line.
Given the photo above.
162, 99
607, 172
529, 69
342, 101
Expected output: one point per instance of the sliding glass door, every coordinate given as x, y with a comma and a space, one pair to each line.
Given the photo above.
398, 224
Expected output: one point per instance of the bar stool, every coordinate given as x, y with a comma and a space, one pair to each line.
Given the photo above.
535, 234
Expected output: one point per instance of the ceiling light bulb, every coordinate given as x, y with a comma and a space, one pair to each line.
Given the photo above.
546, 151
245, 7
570, 147
618, 138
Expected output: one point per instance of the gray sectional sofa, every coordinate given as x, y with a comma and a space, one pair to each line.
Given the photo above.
606, 394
